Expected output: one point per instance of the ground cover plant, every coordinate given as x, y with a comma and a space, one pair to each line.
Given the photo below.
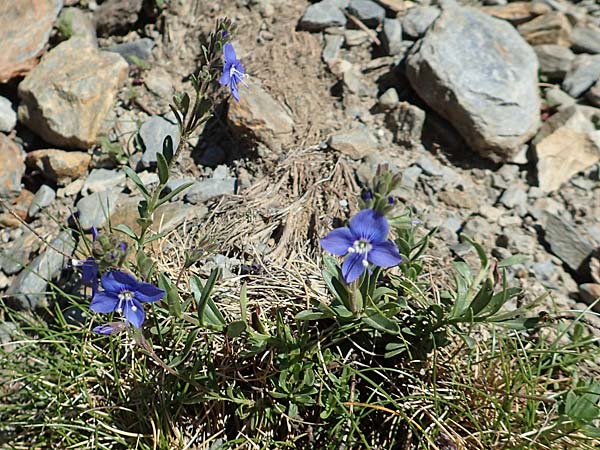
368, 339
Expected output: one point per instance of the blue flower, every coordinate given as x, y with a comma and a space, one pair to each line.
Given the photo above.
124, 294
233, 71
110, 328
89, 271
364, 241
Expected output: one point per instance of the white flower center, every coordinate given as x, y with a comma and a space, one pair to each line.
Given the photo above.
236, 75
125, 296
363, 247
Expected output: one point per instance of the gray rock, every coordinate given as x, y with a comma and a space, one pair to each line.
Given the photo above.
75, 22
418, 19
12, 168
555, 60
18, 253
134, 51
567, 242
590, 293
95, 209
583, 74
429, 166
117, 16
585, 39
356, 144
354, 38
333, 45
175, 183
389, 99
102, 179
43, 198
406, 122
28, 289
391, 37
593, 95
153, 133
559, 98
321, 15
410, 177
370, 13
355, 83
479, 74
7, 331
159, 82
544, 271
514, 197
8, 116
204, 190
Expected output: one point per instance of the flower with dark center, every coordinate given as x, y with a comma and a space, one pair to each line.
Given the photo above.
365, 242
124, 295
233, 71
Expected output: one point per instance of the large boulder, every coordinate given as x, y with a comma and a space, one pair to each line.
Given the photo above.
25, 27
67, 97
480, 75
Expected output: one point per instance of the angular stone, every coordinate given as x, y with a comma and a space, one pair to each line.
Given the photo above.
593, 95
356, 144
555, 60
19, 253
28, 289
406, 122
134, 51
43, 198
159, 82
584, 72
25, 27
204, 190
153, 133
550, 28
369, 12
67, 97
589, 294
333, 45
260, 116
495, 103
585, 39
74, 22
567, 242
116, 16
514, 197
517, 12
59, 166
95, 209
389, 99
563, 154
8, 116
391, 37
101, 180
12, 168
418, 19
559, 98
321, 15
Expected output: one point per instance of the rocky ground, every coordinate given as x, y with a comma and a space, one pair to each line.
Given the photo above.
490, 110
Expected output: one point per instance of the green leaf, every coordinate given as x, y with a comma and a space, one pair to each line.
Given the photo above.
521, 323
483, 297
163, 167
512, 260
310, 315
189, 343
235, 329
137, 181
168, 149
174, 192
379, 322
479, 249
173, 298
208, 312
126, 229
244, 303
145, 265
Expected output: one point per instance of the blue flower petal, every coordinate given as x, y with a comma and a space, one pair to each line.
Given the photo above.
226, 76
240, 71
384, 254
117, 281
109, 328
145, 292
352, 268
229, 53
338, 241
136, 318
234, 91
89, 270
94, 233
104, 302
370, 225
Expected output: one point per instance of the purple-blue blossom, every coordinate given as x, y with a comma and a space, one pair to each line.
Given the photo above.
110, 328
124, 295
233, 71
365, 242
